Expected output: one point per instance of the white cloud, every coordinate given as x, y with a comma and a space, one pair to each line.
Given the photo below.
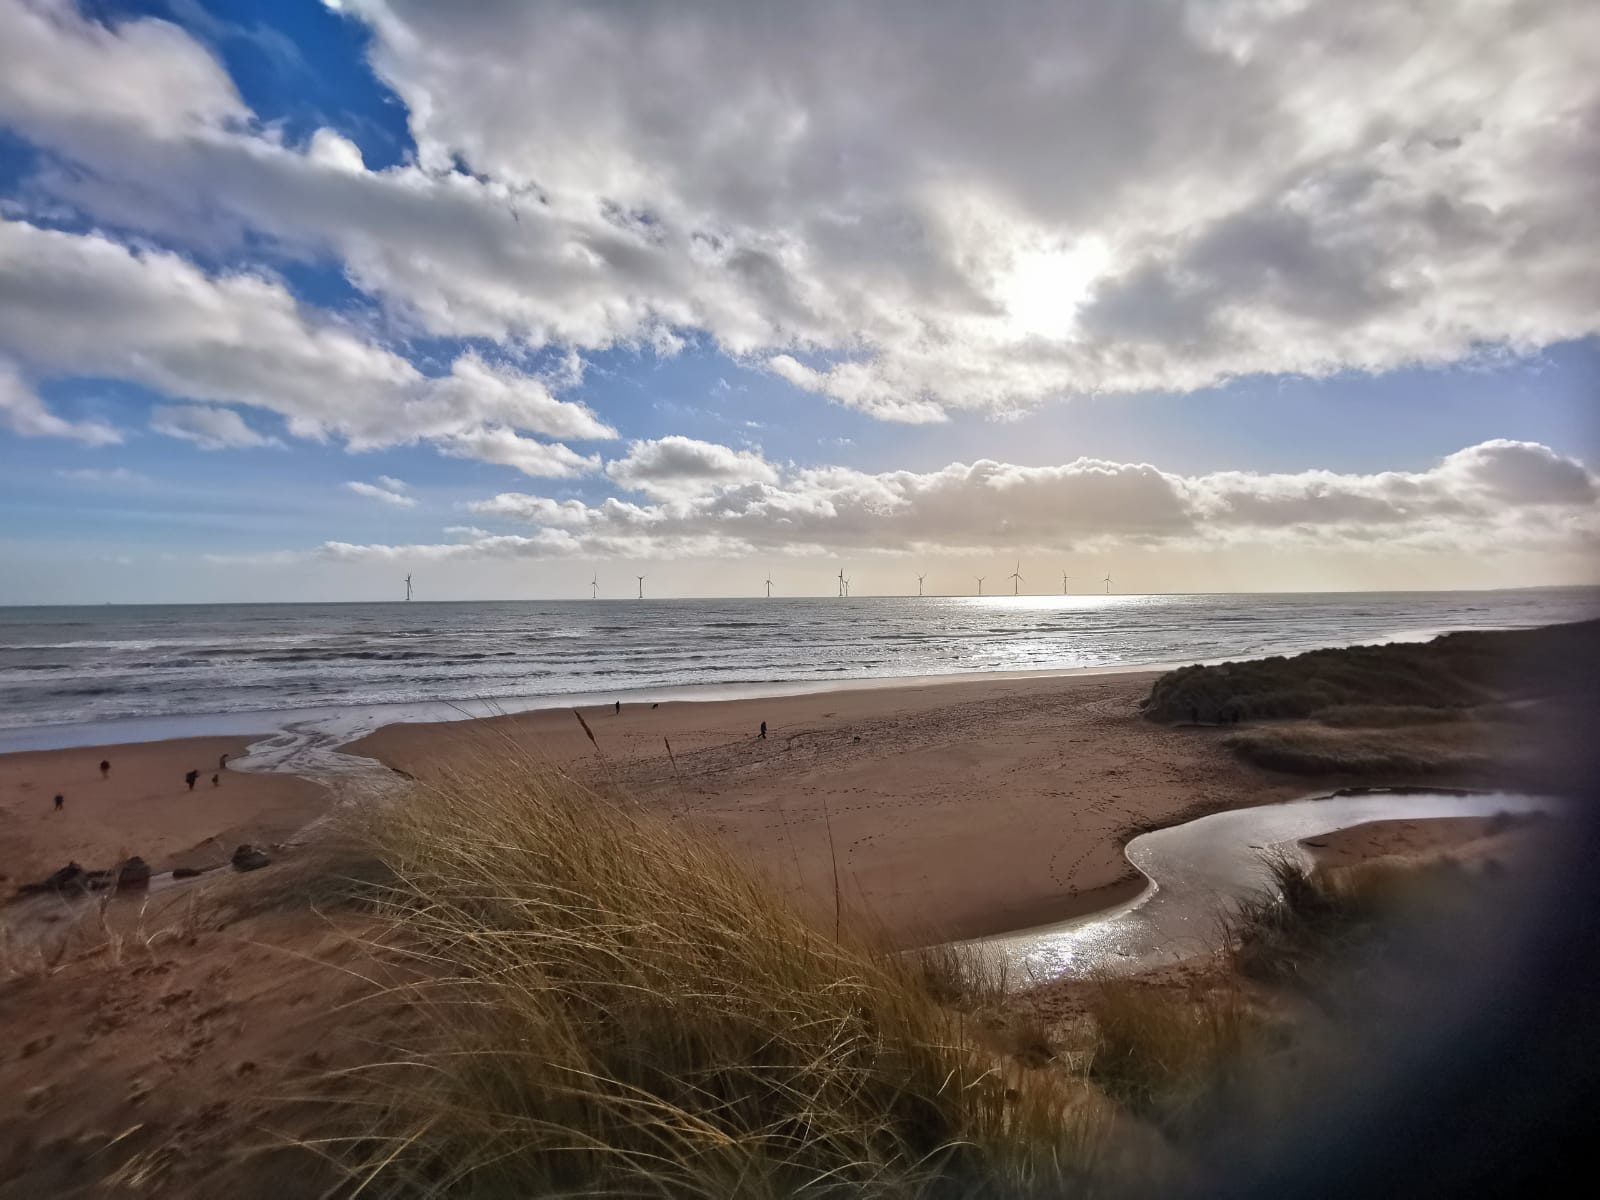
393, 484
74, 304
1115, 198
388, 490
1496, 494
207, 426
497, 444
22, 412
68, 78
681, 467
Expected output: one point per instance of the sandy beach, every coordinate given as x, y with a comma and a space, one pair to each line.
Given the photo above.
947, 809
953, 810
142, 807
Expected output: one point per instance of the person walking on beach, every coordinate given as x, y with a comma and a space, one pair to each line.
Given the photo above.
105, 769
619, 708
190, 778
216, 780
763, 734
60, 799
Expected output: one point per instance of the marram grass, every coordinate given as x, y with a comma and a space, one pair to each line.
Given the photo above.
612, 1005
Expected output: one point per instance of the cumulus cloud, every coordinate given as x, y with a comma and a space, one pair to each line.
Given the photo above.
497, 444
677, 467
1115, 197
24, 413
1490, 495
390, 491
84, 304
207, 426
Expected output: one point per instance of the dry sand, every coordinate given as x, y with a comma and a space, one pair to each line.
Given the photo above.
143, 807
953, 810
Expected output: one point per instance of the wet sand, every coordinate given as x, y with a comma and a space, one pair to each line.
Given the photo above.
143, 807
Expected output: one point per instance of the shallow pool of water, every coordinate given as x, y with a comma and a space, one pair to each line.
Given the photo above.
1198, 869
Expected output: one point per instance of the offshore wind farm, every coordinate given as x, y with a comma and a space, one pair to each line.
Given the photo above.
60, 666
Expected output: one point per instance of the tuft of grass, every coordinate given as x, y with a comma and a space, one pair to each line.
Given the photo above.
616, 1006
1170, 1055
1308, 921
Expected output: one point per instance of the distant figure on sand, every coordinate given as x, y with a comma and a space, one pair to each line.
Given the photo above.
619, 708
105, 769
190, 778
763, 731
59, 801
215, 780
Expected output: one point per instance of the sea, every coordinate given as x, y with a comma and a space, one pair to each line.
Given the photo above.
79, 675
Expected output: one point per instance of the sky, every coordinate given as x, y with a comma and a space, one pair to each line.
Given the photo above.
298, 298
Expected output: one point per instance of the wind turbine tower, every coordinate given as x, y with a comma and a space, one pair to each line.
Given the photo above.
841, 581
920, 578
1108, 584
640, 578
1016, 578
979, 578
594, 587
769, 585
1063, 583
408, 587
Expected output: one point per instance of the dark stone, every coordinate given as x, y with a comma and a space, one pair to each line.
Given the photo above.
249, 858
69, 878
186, 872
133, 875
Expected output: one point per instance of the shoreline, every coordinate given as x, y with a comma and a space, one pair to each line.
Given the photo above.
350, 722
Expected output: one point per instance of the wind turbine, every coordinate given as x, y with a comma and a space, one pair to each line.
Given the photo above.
847, 587
1108, 584
1016, 578
841, 581
594, 587
1063, 583
920, 578
769, 585
640, 578
408, 587
979, 578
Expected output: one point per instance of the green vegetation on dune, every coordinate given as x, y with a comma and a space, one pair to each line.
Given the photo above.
1451, 672
1488, 705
